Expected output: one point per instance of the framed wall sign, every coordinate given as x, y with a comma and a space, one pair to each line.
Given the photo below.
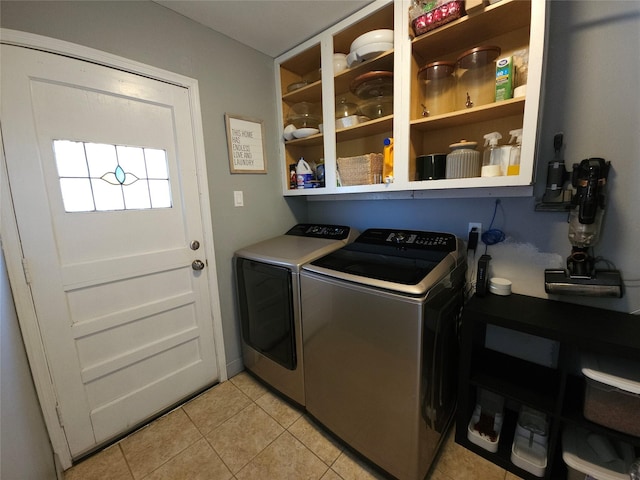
245, 139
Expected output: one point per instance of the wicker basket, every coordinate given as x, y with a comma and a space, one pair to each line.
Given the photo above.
360, 170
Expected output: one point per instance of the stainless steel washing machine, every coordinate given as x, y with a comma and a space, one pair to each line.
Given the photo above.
268, 291
380, 337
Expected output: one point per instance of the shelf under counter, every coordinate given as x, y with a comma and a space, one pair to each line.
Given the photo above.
605, 331
502, 457
515, 379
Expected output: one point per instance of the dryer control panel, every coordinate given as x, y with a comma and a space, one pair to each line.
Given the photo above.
331, 232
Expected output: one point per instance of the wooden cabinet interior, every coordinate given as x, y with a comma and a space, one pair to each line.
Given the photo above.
513, 25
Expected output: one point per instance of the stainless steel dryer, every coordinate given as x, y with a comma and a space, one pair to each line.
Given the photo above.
268, 291
380, 324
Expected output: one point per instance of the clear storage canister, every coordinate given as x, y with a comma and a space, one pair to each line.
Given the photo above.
476, 77
439, 87
464, 160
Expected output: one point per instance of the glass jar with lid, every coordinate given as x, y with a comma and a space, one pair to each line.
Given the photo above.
439, 87
476, 77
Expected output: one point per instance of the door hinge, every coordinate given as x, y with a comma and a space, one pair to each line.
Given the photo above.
59, 415
27, 271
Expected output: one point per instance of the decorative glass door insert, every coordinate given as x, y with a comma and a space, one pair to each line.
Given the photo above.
104, 177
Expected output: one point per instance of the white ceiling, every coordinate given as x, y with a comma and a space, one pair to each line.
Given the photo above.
269, 26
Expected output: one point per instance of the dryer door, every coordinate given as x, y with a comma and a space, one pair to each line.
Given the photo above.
266, 310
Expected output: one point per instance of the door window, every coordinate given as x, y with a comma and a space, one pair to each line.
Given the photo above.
104, 177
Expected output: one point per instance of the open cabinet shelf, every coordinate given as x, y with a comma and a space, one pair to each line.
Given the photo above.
513, 25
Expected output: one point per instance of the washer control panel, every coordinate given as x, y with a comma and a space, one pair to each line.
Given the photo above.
414, 239
331, 232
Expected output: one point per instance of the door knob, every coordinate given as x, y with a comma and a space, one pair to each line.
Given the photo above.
194, 245
197, 265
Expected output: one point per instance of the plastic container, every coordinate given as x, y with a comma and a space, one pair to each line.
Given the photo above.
431, 167
426, 16
514, 154
439, 87
304, 174
529, 448
463, 161
486, 422
612, 396
591, 456
500, 286
387, 165
492, 156
476, 77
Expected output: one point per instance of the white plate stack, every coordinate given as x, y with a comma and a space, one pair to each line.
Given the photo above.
369, 45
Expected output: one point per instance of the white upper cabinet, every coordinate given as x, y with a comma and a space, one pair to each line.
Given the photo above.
344, 156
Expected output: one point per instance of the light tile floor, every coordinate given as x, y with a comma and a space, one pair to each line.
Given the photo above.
240, 430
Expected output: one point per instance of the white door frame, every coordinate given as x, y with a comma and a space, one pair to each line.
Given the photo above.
11, 240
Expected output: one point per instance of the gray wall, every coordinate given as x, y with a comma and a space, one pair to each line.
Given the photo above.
232, 78
592, 78
26, 451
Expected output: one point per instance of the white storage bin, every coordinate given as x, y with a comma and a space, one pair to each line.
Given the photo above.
612, 396
592, 456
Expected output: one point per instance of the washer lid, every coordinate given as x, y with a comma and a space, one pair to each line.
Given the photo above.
407, 261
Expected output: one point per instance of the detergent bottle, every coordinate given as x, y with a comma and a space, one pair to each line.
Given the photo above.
514, 155
492, 157
304, 174
387, 165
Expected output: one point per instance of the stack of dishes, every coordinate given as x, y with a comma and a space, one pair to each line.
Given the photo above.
369, 45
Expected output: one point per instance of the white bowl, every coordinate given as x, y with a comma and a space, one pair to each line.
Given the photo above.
339, 63
375, 36
288, 132
367, 52
305, 132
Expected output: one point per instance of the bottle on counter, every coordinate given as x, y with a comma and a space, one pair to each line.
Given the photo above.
492, 156
514, 154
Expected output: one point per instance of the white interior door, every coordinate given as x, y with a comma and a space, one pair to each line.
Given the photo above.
104, 184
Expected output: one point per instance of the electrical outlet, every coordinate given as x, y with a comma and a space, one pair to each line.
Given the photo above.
477, 226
